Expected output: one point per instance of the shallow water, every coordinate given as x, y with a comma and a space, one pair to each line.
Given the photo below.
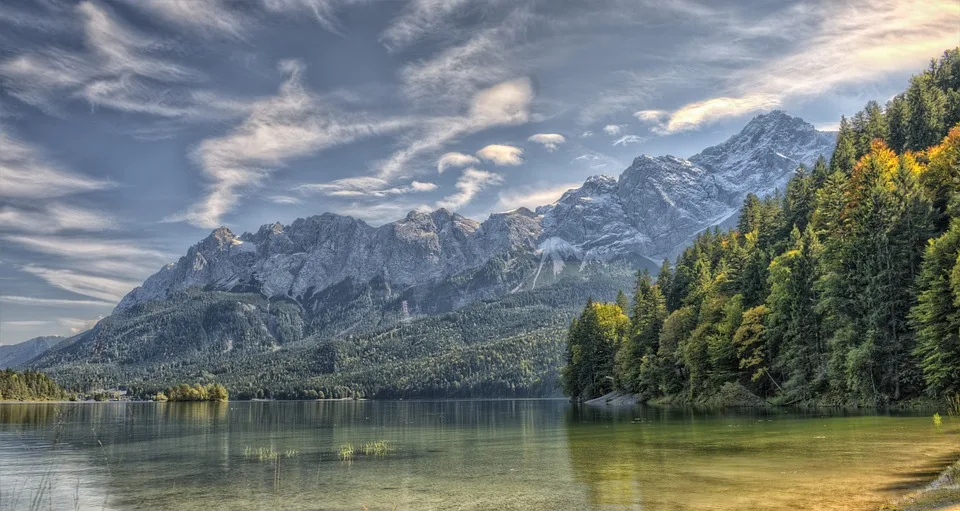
510, 454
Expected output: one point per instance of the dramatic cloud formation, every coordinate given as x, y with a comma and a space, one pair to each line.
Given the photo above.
847, 46
500, 154
117, 57
550, 141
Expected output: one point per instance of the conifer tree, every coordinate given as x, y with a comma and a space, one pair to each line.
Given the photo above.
845, 154
928, 108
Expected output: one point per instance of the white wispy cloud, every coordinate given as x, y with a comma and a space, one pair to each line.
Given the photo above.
117, 67
52, 302
294, 123
500, 154
455, 160
95, 286
27, 173
470, 183
86, 248
612, 129
371, 187
101, 269
283, 199
54, 218
421, 18
206, 17
597, 161
628, 139
550, 141
324, 11
454, 75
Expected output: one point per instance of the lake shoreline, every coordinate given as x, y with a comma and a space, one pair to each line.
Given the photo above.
943, 493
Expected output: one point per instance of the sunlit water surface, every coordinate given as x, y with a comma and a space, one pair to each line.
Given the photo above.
513, 454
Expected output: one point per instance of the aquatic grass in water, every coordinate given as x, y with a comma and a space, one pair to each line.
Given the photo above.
346, 452
261, 453
379, 448
937, 420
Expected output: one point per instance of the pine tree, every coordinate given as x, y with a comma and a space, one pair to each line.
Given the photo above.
928, 108
898, 115
799, 200
869, 124
845, 154
821, 171
750, 214
665, 281
622, 301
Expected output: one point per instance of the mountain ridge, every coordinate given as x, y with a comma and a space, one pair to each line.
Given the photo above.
646, 214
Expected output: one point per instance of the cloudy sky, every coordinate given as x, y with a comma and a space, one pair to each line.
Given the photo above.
130, 128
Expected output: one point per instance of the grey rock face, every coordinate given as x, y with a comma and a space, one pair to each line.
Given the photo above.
315, 253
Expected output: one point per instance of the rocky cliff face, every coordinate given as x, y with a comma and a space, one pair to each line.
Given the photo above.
655, 207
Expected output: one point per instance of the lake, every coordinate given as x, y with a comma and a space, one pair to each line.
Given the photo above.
497, 454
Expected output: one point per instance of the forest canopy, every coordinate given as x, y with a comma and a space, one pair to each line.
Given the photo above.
28, 386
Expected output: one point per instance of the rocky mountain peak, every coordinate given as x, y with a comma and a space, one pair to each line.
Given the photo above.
218, 239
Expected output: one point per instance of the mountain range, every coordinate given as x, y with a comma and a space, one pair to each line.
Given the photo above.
331, 301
